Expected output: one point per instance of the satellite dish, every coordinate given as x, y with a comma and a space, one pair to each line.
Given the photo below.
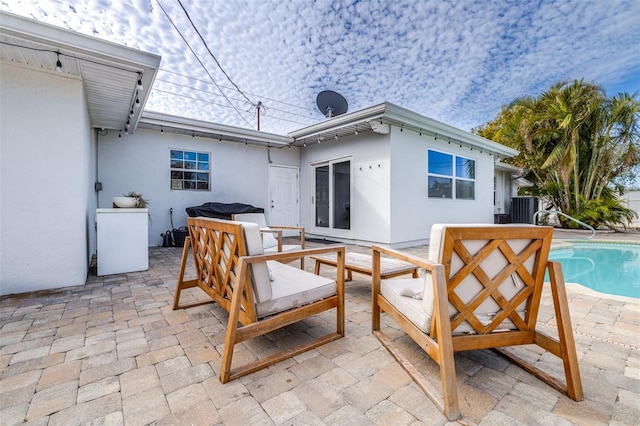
331, 103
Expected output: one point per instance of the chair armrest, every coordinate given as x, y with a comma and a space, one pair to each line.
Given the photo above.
419, 262
300, 230
293, 228
293, 255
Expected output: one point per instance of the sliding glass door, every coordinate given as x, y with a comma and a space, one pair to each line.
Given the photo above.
332, 195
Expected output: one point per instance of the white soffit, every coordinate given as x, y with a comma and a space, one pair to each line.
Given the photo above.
379, 117
203, 129
109, 72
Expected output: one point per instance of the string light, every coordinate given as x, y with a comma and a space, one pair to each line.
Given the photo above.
58, 63
139, 87
161, 130
119, 133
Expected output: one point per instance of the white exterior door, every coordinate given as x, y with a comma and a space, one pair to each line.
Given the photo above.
283, 196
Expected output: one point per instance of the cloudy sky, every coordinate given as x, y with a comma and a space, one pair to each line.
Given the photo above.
454, 61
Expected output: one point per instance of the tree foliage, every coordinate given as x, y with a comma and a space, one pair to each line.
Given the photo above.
578, 146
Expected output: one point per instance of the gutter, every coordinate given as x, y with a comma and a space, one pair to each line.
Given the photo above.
388, 113
175, 124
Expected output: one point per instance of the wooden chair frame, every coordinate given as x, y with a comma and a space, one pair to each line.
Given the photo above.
440, 344
223, 273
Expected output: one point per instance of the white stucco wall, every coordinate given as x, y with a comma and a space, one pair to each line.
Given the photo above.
370, 210
504, 192
390, 200
412, 211
44, 177
632, 198
140, 163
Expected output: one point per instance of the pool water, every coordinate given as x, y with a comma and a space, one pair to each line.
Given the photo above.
604, 267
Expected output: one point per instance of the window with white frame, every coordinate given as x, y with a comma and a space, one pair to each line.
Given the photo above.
451, 176
189, 170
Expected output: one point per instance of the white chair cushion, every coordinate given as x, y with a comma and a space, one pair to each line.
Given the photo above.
293, 287
251, 217
396, 292
269, 240
260, 274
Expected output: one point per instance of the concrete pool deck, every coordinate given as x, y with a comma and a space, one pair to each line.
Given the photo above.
114, 352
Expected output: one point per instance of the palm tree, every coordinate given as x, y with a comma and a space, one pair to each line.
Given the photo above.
574, 141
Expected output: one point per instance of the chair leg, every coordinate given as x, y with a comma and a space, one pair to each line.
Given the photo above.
447, 400
375, 290
564, 347
182, 284
232, 326
444, 348
183, 264
565, 333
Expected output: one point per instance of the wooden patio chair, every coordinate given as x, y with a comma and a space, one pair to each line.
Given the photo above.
259, 293
482, 289
272, 234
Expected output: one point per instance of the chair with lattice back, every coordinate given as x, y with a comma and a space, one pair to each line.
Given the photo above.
260, 293
482, 289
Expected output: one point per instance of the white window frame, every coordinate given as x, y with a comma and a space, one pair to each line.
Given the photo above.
453, 177
172, 180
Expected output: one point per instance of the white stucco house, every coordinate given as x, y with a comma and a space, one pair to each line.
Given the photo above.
72, 140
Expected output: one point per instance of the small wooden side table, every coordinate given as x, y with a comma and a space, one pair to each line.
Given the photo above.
361, 263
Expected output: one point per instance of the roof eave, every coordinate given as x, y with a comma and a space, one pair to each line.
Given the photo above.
171, 123
340, 121
389, 113
97, 52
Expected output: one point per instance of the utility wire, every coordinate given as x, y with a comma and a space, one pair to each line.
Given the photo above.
201, 63
220, 105
217, 94
214, 56
252, 94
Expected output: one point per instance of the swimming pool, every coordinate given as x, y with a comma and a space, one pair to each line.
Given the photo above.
612, 268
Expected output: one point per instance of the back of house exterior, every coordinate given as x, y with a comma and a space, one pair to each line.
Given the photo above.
379, 175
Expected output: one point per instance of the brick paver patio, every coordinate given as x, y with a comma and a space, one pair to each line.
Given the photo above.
114, 352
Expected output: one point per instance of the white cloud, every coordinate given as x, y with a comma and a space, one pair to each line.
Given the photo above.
457, 62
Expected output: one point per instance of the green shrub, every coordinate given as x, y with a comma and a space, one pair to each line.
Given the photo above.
602, 212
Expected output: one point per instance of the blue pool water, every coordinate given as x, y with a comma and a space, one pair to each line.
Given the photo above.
605, 267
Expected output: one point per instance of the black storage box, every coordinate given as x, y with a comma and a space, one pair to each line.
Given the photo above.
179, 236
222, 210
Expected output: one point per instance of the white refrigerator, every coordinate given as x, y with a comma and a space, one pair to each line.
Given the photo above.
123, 240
